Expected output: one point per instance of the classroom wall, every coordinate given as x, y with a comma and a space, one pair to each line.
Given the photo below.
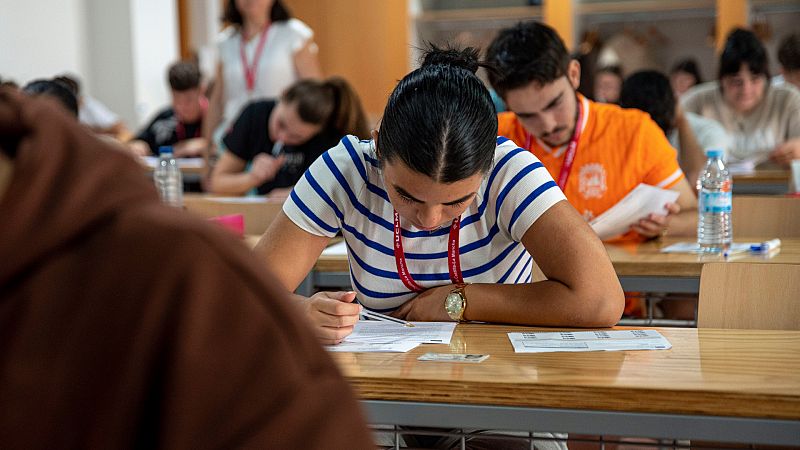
120, 49
130, 45
155, 48
41, 38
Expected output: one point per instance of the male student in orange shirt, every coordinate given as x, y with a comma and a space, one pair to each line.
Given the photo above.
611, 149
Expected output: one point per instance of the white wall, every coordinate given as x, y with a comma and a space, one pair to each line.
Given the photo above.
205, 25
155, 47
41, 38
109, 50
120, 49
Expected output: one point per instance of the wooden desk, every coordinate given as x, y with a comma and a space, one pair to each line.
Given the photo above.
724, 385
258, 212
640, 267
763, 181
644, 268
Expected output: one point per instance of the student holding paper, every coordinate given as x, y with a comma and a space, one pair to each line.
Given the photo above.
597, 153
440, 217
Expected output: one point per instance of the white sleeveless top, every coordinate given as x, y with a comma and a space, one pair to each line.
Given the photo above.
275, 71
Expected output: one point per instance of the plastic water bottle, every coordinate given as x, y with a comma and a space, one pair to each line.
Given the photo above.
714, 228
168, 178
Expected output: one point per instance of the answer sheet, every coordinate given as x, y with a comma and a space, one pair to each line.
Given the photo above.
382, 336
368, 347
638, 204
588, 341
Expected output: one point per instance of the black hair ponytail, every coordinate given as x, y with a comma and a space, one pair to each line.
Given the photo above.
440, 120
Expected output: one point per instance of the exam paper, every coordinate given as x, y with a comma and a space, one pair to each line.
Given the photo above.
588, 341
373, 347
641, 201
390, 337
376, 331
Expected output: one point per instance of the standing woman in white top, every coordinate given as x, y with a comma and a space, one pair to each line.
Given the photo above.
267, 52
440, 217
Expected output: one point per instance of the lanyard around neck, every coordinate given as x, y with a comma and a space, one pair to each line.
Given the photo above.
250, 70
572, 148
453, 256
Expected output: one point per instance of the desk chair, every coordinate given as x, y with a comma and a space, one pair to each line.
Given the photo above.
749, 296
772, 216
257, 216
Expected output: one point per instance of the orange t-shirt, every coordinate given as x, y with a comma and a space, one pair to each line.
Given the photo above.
618, 149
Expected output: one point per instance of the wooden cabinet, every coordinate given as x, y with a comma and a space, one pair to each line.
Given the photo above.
365, 41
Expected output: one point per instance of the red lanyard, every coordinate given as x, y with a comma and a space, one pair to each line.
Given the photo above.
180, 129
250, 70
572, 148
453, 258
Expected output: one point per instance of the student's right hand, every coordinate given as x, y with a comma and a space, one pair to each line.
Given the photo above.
265, 167
333, 315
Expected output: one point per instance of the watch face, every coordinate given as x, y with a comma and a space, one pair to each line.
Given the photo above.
453, 303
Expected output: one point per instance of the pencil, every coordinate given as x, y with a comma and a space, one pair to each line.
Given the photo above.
378, 316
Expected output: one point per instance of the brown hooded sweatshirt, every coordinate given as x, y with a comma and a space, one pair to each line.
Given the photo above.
127, 324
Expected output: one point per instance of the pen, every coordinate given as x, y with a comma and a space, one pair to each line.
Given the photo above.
766, 246
277, 149
378, 316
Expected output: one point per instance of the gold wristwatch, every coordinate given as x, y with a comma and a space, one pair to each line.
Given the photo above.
456, 302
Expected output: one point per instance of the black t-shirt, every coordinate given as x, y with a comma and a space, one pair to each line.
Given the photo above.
165, 129
249, 136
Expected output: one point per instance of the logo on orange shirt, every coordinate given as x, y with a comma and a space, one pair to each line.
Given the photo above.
592, 181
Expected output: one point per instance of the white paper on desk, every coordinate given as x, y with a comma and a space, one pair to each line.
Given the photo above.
377, 331
588, 341
641, 201
745, 167
183, 163
369, 347
251, 199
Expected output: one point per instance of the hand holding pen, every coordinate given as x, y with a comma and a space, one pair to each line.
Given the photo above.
377, 316
333, 315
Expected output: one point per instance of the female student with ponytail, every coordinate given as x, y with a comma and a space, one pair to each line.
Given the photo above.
281, 139
440, 216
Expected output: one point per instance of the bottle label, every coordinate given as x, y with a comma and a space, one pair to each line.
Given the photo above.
715, 202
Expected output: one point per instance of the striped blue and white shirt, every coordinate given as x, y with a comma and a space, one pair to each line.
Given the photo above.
344, 190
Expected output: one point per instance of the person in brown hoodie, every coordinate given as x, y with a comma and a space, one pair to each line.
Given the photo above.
126, 324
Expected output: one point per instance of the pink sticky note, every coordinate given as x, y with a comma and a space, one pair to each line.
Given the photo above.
233, 222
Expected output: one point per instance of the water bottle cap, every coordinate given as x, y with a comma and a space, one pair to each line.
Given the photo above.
165, 149
715, 153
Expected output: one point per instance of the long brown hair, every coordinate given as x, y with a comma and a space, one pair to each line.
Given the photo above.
232, 15
332, 103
